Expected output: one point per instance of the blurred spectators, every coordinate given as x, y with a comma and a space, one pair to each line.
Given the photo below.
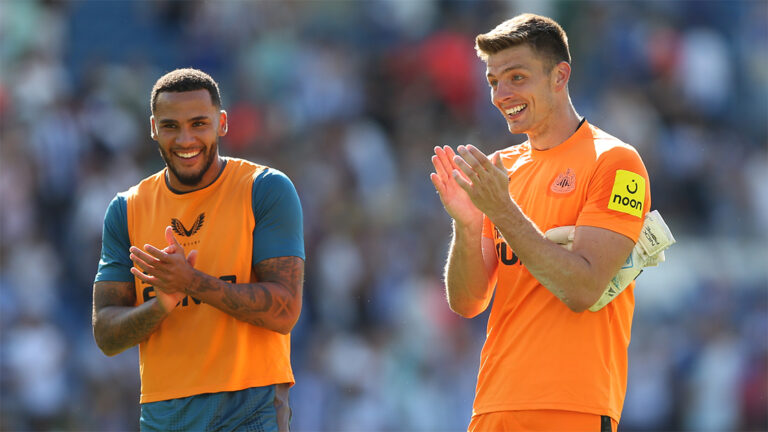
349, 98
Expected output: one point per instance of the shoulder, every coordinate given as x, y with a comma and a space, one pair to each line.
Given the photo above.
609, 147
262, 176
271, 186
144, 186
245, 168
273, 178
117, 208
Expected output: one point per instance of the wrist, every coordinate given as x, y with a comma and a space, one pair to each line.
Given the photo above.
506, 211
163, 307
468, 228
192, 286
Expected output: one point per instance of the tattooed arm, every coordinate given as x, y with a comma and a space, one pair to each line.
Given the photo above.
117, 323
274, 302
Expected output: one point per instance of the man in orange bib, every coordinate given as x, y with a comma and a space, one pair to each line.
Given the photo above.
548, 364
213, 325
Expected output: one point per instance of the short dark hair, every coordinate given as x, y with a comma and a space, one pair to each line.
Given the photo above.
543, 34
183, 80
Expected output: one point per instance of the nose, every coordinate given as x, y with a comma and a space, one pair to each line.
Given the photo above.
501, 93
185, 136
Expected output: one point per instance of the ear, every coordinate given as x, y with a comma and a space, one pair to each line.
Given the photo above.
561, 73
152, 128
223, 125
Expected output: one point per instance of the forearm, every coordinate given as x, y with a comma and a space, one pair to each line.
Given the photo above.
566, 274
271, 305
466, 278
117, 328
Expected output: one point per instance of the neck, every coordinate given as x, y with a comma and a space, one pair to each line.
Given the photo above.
559, 127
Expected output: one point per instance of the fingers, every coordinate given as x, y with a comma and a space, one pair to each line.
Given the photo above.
446, 155
439, 167
475, 158
462, 182
497, 162
192, 257
142, 259
451, 154
144, 277
437, 182
466, 168
442, 162
170, 238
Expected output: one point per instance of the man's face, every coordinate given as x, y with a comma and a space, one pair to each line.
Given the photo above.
521, 88
187, 127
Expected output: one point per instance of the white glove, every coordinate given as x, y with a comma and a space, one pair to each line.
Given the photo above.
648, 251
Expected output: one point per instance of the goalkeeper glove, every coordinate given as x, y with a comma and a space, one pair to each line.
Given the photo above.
655, 237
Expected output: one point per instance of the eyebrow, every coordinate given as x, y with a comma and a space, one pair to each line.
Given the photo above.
513, 67
193, 119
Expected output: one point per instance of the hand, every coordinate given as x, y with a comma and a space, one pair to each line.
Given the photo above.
167, 270
455, 200
485, 181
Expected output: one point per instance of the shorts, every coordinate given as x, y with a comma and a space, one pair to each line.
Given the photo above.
257, 409
541, 421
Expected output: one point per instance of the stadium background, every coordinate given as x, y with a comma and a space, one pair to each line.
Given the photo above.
349, 98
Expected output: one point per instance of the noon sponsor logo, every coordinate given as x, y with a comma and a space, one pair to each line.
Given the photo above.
628, 194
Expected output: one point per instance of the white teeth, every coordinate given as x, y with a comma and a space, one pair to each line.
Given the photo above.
188, 155
515, 110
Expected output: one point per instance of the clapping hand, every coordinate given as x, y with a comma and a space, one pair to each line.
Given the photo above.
167, 270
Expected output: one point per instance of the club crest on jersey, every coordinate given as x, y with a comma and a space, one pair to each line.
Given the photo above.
628, 195
179, 228
564, 182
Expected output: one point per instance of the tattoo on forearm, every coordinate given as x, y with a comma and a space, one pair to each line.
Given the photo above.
275, 295
201, 285
117, 328
267, 297
284, 269
135, 328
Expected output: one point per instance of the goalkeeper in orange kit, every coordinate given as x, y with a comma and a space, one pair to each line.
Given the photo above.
548, 363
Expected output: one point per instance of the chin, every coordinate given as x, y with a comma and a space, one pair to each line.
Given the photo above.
515, 129
190, 180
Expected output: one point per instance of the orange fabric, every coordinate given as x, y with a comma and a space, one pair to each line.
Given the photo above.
538, 421
538, 353
197, 348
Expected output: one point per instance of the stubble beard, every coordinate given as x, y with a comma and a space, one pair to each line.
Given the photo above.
191, 179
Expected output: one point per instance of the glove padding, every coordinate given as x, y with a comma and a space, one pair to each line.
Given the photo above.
655, 237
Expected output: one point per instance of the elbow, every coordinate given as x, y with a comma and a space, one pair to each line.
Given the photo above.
286, 325
582, 303
109, 352
462, 309
469, 314
104, 345
577, 307
285, 328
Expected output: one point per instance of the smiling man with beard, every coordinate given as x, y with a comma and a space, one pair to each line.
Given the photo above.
213, 325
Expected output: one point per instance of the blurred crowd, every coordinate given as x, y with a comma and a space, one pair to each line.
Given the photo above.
348, 98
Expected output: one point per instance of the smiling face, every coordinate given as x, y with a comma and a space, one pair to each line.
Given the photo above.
187, 126
526, 90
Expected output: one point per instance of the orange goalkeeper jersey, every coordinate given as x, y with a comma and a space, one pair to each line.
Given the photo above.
538, 353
